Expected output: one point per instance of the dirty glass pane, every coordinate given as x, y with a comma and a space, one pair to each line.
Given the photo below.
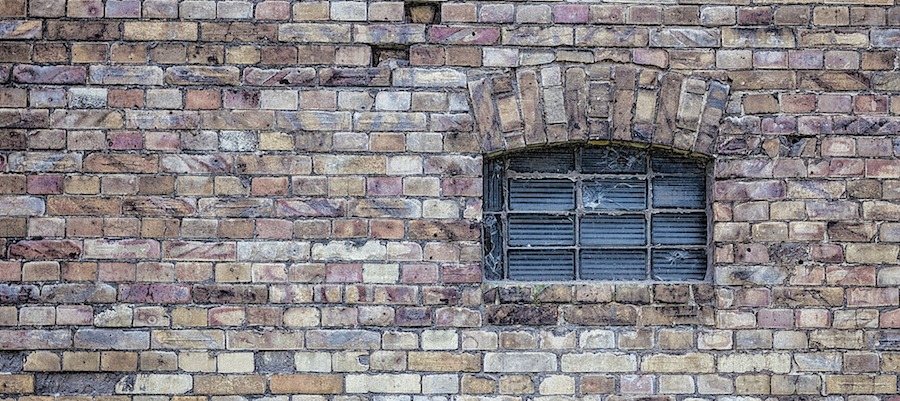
683, 192
679, 229
542, 195
493, 181
615, 194
543, 161
679, 264
541, 230
493, 248
613, 230
613, 160
614, 264
674, 164
544, 264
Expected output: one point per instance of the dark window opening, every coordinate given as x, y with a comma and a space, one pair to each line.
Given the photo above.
595, 213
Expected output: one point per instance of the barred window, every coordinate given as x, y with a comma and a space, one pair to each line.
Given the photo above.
595, 213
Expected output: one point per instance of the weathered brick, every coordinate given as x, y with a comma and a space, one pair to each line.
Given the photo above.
230, 384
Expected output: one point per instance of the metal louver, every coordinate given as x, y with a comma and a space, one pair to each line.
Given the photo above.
679, 264
615, 194
614, 264
541, 195
541, 265
541, 230
680, 192
679, 229
543, 161
613, 230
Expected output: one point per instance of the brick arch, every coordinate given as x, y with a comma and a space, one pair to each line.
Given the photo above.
561, 102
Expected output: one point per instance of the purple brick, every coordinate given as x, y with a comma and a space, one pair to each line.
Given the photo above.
123, 8
463, 35
33, 74
775, 318
779, 125
731, 190
461, 274
571, 13
414, 316
343, 273
46, 249
241, 99
273, 10
45, 184
806, 59
155, 293
124, 140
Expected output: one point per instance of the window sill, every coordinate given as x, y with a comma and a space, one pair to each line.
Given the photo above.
599, 304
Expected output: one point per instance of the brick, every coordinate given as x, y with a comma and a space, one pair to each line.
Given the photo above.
519, 362
32, 74
599, 362
861, 384
17, 384
444, 362
151, 31
230, 384
306, 384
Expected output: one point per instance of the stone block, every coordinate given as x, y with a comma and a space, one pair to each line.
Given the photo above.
519, 362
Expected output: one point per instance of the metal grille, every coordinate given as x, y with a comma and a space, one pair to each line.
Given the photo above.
596, 213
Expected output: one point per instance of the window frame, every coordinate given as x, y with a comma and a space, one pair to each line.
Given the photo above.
500, 163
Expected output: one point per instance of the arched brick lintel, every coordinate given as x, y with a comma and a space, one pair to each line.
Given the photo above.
556, 103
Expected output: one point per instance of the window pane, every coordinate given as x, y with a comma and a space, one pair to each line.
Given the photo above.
541, 265
613, 230
493, 248
686, 192
674, 164
613, 160
679, 264
493, 181
613, 265
542, 195
541, 230
679, 229
543, 161
615, 194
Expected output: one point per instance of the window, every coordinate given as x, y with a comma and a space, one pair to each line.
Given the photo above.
595, 213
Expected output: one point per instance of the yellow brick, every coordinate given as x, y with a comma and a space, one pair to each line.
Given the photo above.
161, 31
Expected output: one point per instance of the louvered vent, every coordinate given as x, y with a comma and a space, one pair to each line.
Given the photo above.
541, 265
602, 230
595, 213
679, 264
541, 230
615, 194
543, 161
679, 192
679, 229
541, 195
614, 265
612, 160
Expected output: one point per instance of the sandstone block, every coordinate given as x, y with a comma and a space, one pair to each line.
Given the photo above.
690, 362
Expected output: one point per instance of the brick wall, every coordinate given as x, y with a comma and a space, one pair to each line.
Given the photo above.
231, 200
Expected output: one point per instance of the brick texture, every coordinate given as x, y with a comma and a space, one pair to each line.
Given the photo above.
261, 199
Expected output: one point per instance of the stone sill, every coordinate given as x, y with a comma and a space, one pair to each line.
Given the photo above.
602, 304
